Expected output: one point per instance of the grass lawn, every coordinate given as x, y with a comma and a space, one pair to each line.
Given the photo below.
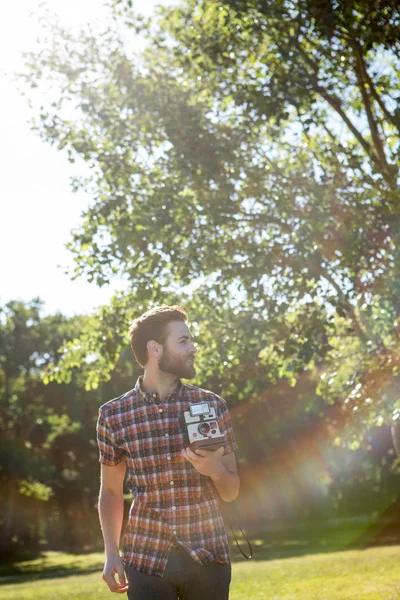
296, 567
371, 574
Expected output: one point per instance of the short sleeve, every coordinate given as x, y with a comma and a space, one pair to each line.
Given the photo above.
225, 426
109, 453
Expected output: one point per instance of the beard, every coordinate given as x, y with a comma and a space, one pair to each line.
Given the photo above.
176, 365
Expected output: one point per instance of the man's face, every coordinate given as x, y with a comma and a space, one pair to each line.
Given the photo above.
178, 352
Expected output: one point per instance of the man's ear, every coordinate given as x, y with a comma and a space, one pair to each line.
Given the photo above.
154, 348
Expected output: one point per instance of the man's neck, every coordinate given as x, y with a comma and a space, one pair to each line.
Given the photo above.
160, 383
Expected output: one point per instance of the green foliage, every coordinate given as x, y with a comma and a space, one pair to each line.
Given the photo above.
46, 430
35, 489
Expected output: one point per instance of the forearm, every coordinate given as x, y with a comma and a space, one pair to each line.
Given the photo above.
111, 513
227, 484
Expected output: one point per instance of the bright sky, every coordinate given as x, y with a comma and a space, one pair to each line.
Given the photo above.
38, 209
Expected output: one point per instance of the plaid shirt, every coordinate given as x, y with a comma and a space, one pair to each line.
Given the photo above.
173, 503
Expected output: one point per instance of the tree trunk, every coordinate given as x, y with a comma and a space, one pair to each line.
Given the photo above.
395, 430
8, 524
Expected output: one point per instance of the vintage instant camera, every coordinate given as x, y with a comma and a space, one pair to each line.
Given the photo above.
202, 427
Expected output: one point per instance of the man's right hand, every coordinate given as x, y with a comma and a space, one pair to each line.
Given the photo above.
114, 566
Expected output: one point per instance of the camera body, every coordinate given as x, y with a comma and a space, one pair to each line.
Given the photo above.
202, 427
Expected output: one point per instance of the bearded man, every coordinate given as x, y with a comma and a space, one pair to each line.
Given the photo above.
175, 544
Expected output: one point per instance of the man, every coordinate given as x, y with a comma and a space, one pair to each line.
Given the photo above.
175, 544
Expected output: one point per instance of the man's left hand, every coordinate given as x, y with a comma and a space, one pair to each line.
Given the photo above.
206, 462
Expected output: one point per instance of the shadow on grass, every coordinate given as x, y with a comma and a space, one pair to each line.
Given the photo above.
316, 538
48, 574
51, 565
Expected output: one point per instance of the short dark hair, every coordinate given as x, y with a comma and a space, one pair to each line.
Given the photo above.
152, 325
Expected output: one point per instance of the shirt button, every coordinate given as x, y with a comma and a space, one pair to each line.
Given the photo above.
168, 458
174, 508
175, 532
171, 483
160, 410
167, 435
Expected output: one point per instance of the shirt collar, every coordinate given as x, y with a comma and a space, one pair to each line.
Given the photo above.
147, 397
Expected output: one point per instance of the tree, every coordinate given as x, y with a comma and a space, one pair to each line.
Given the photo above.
47, 437
253, 151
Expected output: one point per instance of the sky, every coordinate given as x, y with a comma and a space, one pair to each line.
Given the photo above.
38, 210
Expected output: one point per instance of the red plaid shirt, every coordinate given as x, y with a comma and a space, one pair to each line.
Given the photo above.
173, 503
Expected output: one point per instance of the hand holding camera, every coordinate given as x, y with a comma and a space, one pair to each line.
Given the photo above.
206, 462
206, 442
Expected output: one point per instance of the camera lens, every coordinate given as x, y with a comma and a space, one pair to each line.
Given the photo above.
204, 428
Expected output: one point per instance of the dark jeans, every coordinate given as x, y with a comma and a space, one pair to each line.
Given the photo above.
183, 579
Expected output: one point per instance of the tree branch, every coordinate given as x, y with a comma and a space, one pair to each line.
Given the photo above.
367, 178
375, 94
336, 104
362, 84
345, 301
